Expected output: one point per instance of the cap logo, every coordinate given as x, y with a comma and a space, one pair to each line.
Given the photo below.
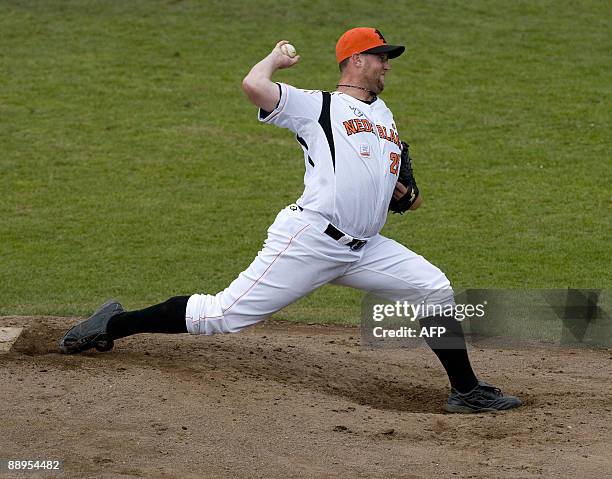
380, 35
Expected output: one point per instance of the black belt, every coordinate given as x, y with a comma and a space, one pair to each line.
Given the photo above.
336, 234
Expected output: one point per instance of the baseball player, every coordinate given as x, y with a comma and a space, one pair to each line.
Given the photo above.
357, 169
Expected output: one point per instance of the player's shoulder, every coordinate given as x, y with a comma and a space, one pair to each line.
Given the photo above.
303, 96
305, 91
313, 92
380, 103
381, 107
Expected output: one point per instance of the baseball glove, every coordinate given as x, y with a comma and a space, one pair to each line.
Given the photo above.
406, 178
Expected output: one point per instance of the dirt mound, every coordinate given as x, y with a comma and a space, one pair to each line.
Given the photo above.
287, 400
40, 336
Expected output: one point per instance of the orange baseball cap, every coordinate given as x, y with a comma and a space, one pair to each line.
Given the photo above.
365, 40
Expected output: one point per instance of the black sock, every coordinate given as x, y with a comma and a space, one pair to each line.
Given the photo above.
451, 350
167, 317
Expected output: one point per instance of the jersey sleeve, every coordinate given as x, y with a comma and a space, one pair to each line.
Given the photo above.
296, 110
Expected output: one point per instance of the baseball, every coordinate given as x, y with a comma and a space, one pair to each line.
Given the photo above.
288, 50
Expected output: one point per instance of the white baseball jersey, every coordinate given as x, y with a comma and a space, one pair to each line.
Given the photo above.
351, 152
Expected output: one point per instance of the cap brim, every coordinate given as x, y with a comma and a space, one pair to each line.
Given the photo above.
392, 51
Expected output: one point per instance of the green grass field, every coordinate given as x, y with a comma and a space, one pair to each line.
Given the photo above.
132, 165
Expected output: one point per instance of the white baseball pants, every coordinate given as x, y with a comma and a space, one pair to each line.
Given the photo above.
297, 258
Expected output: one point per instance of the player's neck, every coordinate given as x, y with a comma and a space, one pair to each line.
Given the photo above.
353, 87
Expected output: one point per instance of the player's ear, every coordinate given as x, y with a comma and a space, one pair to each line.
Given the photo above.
356, 59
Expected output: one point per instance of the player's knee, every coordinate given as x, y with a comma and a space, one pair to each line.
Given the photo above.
441, 296
438, 290
431, 284
204, 315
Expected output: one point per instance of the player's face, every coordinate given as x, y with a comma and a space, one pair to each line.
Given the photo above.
375, 68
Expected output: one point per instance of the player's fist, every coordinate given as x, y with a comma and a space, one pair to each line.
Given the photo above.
288, 50
284, 55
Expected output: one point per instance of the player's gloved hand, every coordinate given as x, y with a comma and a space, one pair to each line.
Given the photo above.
404, 198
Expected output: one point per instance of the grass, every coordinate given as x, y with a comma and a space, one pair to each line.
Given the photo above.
131, 164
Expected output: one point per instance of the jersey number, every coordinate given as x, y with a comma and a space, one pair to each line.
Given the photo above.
395, 161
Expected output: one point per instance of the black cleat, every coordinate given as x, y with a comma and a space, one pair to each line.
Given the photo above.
91, 333
483, 398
